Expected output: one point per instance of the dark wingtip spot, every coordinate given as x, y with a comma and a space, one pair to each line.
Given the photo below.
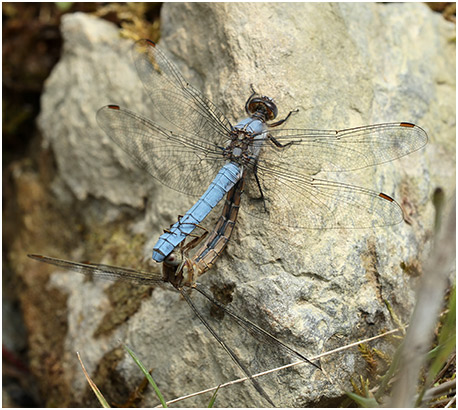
407, 124
152, 43
33, 256
113, 107
385, 196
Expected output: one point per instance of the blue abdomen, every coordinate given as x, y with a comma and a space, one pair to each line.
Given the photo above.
223, 182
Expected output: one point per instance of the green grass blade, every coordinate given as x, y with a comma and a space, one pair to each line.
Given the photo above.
147, 375
212, 401
94, 387
369, 402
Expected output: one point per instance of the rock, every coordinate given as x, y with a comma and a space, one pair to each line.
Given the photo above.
341, 65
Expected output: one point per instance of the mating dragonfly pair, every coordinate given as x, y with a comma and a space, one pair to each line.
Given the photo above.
194, 149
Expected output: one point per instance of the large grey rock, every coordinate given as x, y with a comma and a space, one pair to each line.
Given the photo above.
342, 65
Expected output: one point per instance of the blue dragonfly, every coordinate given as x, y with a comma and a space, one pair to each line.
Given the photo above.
194, 149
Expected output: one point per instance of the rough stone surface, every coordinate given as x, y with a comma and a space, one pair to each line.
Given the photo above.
341, 65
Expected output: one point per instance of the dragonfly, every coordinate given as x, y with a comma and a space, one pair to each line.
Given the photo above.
180, 272
193, 148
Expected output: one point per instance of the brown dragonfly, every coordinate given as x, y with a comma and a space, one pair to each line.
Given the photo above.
180, 273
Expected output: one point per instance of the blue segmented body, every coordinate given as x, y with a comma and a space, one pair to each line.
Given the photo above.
223, 182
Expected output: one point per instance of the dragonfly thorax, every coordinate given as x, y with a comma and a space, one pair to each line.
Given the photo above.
243, 147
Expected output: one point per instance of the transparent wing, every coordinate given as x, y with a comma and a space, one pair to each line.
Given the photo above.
184, 107
188, 156
255, 330
313, 151
252, 348
186, 163
295, 198
269, 352
104, 271
301, 201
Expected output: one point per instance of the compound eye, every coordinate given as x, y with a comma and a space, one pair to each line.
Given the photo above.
253, 106
271, 109
172, 260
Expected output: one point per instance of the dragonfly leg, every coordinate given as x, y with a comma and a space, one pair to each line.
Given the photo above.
196, 225
261, 197
194, 242
279, 144
276, 124
280, 122
198, 236
167, 230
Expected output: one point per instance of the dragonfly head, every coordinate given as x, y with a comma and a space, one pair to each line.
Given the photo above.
261, 106
178, 270
172, 269
174, 259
